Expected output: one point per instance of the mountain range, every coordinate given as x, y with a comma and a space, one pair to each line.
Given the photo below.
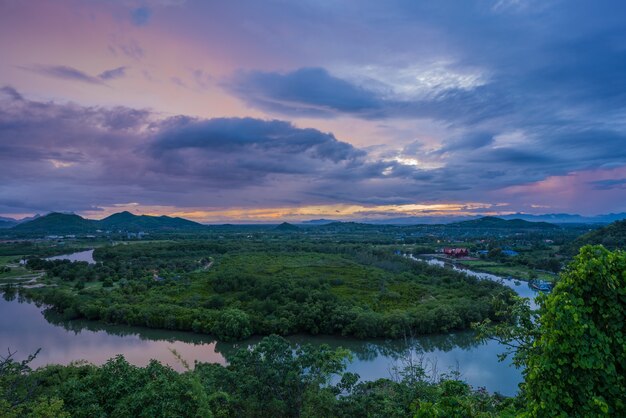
492, 222
555, 218
64, 224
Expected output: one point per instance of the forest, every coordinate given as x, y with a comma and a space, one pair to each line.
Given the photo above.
235, 289
571, 351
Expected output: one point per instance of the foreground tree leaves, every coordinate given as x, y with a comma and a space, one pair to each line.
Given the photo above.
578, 366
573, 348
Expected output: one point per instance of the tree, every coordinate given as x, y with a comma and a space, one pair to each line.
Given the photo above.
574, 347
232, 324
578, 367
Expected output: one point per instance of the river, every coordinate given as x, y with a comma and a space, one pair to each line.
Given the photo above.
86, 255
25, 327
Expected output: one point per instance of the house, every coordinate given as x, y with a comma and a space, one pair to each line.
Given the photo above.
510, 253
456, 252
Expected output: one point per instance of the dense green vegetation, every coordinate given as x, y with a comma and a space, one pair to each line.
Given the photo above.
61, 223
574, 347
572, 350
491, 222
236, 288
268, 380
612, 236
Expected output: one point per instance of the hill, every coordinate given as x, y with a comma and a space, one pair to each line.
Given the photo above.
126, 221
286, 227
70, 224
6, 223
58, 224
566, 218
612, 236
491, 222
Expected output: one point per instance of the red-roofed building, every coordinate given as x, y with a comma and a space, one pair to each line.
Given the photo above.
456, 252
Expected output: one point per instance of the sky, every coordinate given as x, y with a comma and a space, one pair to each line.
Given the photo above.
263, 111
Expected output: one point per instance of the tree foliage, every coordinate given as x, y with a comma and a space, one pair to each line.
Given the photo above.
578, 364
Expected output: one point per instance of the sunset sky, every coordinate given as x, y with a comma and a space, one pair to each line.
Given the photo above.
273, 110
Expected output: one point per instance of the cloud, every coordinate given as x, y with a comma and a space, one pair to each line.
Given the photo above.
315, 92
609, 184
112, 74
68, 157
64, 72
306, 91
141, 16
12, 93
103, 156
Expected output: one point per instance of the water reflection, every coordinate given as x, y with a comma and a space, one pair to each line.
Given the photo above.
24, 328
522, 288
86, 255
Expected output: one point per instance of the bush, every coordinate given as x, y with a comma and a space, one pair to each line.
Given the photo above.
232, 324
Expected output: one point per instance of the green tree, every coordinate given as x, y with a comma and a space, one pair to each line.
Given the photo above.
574, 347
578, 365
232, 324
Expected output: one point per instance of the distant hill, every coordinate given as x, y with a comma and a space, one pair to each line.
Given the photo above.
286, 226
134, 223
317, 222
612, 236
562, 218
492, 222
57, 224
6, 223
349, 227
70, 224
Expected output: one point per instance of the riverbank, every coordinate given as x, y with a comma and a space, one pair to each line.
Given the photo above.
24, 328
493, 267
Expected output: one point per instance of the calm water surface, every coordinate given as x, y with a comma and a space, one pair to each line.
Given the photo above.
26, 327
79, 256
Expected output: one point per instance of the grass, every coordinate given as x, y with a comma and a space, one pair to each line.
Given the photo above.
8, 259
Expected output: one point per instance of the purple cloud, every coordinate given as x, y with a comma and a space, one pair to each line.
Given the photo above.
118, 72
64, 72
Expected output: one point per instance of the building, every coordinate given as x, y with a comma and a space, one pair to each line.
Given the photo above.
456, 252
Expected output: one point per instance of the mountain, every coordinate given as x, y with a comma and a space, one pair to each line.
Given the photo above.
286, 227
612, 236
70, 224
317, 222
57, 224
126, 221
568, 218
419, 220
349, 227
553, 218
492, 222
7, 223
28, 218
